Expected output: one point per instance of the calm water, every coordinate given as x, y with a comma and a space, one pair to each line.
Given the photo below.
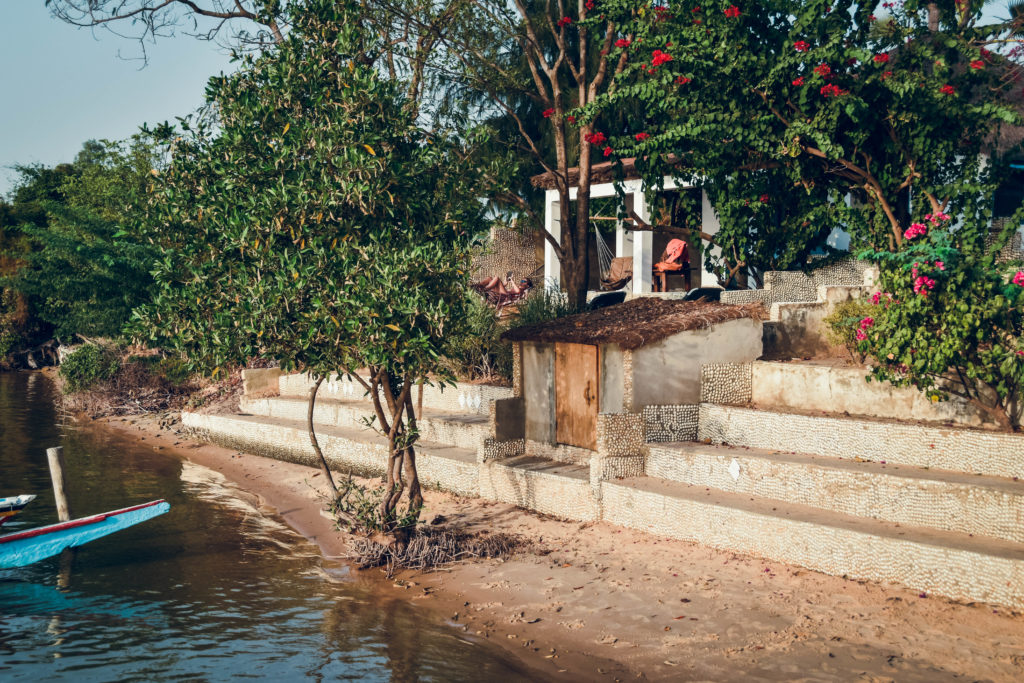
212, 590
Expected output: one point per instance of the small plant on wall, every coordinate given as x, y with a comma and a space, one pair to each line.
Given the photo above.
846, 324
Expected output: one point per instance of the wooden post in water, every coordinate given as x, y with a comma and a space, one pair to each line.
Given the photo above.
55, 456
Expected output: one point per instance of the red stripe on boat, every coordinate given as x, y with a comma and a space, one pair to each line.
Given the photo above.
73, 523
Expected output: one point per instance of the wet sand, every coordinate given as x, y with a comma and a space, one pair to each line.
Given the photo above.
597, 602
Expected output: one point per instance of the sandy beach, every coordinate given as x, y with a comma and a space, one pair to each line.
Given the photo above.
597, 602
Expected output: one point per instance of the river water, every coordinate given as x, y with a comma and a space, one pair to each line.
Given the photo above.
212, 590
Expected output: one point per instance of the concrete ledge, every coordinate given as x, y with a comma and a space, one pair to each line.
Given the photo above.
843, 546
957, 450
964, 503
465, 430
444, 467
261, 381
467, 398
804, 386
542, 485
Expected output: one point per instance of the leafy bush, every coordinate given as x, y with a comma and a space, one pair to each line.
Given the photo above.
88, 366
843, 323
950, 320
478, 352
543, 305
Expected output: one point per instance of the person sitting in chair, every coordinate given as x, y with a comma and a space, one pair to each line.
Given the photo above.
675, 259
495, 284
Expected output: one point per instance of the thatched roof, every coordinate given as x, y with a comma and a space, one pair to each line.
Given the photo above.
599, 173
635, 323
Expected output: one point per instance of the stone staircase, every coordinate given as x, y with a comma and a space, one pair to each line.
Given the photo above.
938, 508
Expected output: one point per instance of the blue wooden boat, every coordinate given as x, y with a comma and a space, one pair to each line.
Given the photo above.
12, 505
32, 545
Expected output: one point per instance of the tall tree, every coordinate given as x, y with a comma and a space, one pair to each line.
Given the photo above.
319, 226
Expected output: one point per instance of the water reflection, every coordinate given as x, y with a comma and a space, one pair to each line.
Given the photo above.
212, 590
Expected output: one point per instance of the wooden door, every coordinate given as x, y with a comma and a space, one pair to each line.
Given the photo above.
576, 395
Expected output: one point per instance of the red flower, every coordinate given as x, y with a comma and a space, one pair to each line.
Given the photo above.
547, 113
801, 46
589, 4
978, 64
881, 58
595, 138
571, 119
886, 74
682, 80
823, 70
798, 81
832, 90
564, 21
623, 42
872, 17
947, 90
696, 9
608, 151
696, 21
658, 58
640, 137
732, 11
763, 199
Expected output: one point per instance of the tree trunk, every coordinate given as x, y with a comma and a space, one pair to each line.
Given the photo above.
312, 438
933, 17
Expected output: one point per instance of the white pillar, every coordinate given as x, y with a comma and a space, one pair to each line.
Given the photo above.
709, 224
552, 269
643, 245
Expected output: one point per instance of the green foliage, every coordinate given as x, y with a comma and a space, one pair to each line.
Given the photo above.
77, 267
545, 304
357, 509
88, 366
316, 225
844, 321
787, 109
951, 320
478, 352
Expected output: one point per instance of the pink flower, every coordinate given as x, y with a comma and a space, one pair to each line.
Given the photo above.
547, 113
867, 322
798, 81
801, 46
915, 230
640, 137
623, 42
608, 151
940, 265
935, 218
763, 199
947, 90
732, 11
876, 297
1018, 279
658, 58
859, 334
923, 285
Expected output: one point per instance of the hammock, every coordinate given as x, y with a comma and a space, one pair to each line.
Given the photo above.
615, 271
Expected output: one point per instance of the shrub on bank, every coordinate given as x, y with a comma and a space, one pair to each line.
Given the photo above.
844, 323
88, 366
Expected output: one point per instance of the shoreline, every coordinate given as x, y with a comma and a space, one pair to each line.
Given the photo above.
593, 601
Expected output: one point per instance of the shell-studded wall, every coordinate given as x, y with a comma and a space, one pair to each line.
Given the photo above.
1014, 250
620, 434
670, 423
493, 449
507, 251
725, 383
794, 286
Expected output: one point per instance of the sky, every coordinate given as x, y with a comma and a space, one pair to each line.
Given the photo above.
61, 86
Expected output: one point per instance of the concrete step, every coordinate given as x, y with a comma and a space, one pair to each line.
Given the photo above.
844, 390
462, 398
463, 430
360, 451
951, 501
972, 451
548, 486
950, 564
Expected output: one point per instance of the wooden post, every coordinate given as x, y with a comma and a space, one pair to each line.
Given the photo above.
55, 456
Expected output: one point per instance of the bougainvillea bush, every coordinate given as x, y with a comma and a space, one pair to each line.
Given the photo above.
797, 116
949, 318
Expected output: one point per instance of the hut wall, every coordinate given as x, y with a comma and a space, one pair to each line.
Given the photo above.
668, 372
539, 391
612, 379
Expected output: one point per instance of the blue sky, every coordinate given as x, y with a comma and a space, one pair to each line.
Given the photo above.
62, 86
